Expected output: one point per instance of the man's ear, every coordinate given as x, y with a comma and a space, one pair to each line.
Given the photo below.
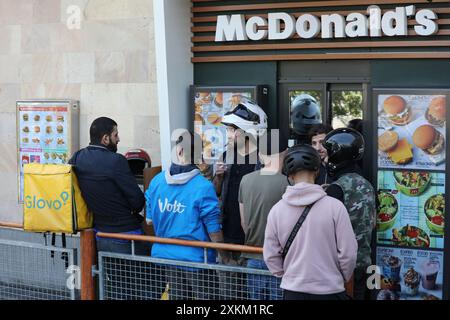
105, 139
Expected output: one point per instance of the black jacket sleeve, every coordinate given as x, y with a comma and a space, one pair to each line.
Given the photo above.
336, 192
127, 184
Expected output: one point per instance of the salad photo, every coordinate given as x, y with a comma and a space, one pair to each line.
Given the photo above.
387, 211
410, 236
435, 213
412, 183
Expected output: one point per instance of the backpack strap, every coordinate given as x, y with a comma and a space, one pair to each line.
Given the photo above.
64, 255
295, 230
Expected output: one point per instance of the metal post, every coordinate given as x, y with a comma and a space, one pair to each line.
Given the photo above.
88, 260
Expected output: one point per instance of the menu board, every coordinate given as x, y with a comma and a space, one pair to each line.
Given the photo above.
411, 131
411, 192
411, 209
44, 134
210, 108
410, 274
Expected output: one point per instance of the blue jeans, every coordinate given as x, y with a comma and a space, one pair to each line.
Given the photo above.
262, 287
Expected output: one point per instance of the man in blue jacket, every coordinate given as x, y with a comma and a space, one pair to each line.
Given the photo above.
182, 204
109, 188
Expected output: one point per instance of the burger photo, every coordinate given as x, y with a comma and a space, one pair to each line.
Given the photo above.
398, 150
49, 118
387, 141
37, 129
60, 129
436, 112
397, 110
60, 118
48, 130
37, 118
428, 139
25, 117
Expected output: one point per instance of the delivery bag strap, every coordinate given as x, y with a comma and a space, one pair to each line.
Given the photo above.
64, 255
295, 230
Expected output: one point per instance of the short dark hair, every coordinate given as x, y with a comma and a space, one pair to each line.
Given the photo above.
194, 140
316, 129
100, 127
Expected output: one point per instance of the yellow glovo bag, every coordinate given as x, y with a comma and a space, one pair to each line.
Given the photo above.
53, 201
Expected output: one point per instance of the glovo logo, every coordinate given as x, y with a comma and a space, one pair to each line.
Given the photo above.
41, 203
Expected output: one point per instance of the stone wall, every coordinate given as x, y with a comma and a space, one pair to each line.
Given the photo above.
108, 64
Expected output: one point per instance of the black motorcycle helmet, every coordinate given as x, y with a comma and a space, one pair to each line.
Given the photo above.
305, 113
345, 146
301, 157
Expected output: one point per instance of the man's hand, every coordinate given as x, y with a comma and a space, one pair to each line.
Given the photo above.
220, 169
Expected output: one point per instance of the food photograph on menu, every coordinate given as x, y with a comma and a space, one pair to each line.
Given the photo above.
210, 108
411, 131
411, 209
408, 274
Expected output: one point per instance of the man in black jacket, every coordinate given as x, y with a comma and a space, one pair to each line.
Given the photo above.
109, 188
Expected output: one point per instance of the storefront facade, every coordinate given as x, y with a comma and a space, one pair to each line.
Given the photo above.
352, 56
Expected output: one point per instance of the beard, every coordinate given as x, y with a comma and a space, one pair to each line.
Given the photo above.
112, 146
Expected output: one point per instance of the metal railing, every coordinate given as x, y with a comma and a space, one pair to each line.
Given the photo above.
135, 277
30, 271
34, 271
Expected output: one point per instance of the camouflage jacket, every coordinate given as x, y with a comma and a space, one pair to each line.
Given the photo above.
359, 199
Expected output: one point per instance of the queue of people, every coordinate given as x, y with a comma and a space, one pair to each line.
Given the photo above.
308, 207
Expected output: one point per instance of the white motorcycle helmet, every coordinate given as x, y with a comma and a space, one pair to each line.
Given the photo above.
247, 116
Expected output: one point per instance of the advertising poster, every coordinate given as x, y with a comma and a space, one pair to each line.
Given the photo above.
408, 274
210, 107
411, 209
43, 135
411, 131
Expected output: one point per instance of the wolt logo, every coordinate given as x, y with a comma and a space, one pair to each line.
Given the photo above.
175, 207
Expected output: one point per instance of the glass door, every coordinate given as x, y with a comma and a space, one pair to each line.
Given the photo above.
346, 105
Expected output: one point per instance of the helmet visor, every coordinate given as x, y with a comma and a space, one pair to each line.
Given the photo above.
243, 112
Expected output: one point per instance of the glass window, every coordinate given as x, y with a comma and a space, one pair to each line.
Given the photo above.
346, 105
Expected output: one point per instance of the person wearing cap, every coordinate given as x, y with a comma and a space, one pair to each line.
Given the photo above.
345, 148
259, 191
321, 256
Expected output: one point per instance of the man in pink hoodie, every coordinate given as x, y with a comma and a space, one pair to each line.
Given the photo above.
322, 255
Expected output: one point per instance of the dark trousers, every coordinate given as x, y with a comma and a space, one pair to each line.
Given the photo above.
360, 290
291, 295
191, 283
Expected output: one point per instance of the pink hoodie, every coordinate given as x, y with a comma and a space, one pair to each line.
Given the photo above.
323, 253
